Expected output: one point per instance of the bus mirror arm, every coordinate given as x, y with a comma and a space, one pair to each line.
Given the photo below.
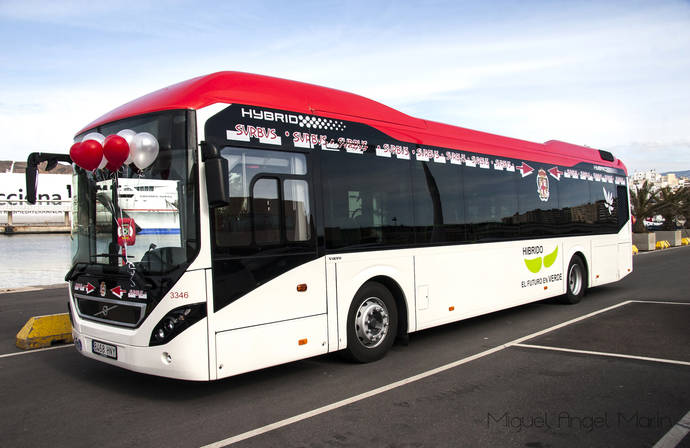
217, 176
32, 162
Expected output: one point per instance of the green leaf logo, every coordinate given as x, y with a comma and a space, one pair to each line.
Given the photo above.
534, 265
551, 258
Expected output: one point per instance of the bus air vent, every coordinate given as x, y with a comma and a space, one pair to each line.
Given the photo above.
605, 155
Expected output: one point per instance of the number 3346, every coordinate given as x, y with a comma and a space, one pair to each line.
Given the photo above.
179, 295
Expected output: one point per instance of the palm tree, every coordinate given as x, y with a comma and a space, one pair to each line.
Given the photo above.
673, 204
645, 203
681, 208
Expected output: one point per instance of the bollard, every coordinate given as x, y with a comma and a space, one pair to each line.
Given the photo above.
663, 244
45, 331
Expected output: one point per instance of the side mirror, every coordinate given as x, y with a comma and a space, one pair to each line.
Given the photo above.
217, 176
32, 162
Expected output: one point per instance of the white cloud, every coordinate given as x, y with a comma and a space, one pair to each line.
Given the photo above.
49, 118
601, 74
660, 155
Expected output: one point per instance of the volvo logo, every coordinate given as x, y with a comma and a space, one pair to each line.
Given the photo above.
105, 309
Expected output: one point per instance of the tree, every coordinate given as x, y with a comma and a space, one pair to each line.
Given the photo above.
673, 204
682, 210
645, 204
670, 204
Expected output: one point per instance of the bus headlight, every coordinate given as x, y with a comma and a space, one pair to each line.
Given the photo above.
176, 321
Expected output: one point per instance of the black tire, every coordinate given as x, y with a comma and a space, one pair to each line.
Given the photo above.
372, 323
575, 281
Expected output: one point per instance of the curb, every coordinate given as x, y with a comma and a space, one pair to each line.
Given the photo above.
45, 331
654, 251
32, 288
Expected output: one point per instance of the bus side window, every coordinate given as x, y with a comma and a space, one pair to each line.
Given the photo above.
266, 211
622, 205
603, 196
577, 211
296, 209
354, 205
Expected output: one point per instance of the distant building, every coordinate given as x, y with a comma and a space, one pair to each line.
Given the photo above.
657, 180
54, 195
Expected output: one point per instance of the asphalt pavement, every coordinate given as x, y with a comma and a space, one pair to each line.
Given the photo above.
618, 375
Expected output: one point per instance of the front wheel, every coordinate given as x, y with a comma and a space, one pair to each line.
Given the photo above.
372, 323
576, 281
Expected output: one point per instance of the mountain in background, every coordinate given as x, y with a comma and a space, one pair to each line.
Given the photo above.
685, 173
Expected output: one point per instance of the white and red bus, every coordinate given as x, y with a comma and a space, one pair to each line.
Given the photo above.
285, 220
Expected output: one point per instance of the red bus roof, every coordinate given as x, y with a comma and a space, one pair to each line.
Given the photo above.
266, 91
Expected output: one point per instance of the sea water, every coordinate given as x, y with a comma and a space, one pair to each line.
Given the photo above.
32, 260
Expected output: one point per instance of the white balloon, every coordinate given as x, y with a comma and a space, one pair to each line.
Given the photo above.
94, 136
103, 163
128, 135
144, 150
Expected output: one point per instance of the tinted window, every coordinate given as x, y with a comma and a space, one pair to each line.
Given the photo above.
367, 200
438, 202
269, 199
491, 204
603, 195
622, 205
578, 212
266, 211
539, 214
296, 210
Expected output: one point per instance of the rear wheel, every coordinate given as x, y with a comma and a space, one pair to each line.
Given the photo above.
372, 323
576, 281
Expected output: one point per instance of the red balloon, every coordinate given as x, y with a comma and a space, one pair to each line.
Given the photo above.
87, 155
73, 151
116, 150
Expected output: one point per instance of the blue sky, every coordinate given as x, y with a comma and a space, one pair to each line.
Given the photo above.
611, 75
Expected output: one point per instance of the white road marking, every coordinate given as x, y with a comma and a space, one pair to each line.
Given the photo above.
7, 355
660, 302
396, 384
676, 434
613, 355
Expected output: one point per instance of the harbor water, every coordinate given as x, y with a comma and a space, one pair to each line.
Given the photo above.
32, 260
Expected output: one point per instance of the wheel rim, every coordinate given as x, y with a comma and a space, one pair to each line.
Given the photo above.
575, 279
371, 322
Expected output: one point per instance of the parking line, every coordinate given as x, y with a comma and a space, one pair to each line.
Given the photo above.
613, 355
676, 434
660, 302
7, 355
330, 407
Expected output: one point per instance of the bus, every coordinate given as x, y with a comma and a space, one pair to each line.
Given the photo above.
310, 220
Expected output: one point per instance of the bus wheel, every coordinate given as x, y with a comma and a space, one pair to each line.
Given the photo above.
576, 281
372, 323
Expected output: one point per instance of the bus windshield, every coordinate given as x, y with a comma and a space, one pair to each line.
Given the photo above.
139, 218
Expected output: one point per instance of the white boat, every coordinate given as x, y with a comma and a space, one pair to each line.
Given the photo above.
153, 204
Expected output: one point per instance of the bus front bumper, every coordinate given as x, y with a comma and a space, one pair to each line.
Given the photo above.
180, 358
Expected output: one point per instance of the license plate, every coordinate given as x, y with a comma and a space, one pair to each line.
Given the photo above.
103, 349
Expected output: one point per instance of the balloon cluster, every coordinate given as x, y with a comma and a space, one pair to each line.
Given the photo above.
95, 151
